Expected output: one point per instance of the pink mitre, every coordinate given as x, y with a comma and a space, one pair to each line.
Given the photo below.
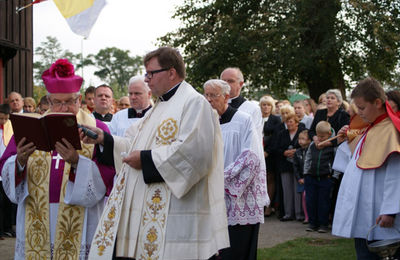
61, 78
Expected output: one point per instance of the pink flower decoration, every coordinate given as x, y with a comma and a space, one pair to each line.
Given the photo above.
62, 68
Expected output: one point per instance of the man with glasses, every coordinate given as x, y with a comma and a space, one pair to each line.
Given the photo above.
168, 200
244, 173
60, 194
235, 79
139, 98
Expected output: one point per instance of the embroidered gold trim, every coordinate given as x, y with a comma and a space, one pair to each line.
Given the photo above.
166, 132
153, 223
104, 238
37, 233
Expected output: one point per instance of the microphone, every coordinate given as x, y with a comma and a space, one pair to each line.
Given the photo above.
88, 132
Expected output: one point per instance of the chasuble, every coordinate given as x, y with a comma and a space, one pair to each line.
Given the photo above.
58, 206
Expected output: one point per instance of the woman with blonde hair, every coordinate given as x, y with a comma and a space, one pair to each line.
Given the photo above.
270, 122
29, 105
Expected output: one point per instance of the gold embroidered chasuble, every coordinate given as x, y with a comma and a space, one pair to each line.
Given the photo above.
67, 242
151, 221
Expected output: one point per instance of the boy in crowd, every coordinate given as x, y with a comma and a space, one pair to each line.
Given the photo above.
298, 168
318, 183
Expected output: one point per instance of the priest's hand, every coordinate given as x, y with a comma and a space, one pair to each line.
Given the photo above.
385, 221
87, 140
67, 151
133, 160
24, 151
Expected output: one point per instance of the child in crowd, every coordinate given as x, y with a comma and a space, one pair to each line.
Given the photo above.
318, 183
6, 214
43, 105
298, 167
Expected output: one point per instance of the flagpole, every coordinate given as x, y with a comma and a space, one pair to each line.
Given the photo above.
82, 55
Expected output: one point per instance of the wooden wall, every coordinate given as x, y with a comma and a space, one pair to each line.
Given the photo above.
16, 48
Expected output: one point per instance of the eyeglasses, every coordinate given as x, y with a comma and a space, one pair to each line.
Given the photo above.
212, 96
58, 103
150, 74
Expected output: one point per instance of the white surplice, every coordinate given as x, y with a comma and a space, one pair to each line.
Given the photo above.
366, 194
254, 111
245, 173
185, 217
120, 122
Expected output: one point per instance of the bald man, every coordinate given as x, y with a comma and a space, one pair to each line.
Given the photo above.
16, 102
234, 77
139, 98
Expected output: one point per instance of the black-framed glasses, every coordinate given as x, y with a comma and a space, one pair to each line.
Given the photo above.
150, 74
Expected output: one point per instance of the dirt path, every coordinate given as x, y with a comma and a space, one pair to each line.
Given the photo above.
272, 232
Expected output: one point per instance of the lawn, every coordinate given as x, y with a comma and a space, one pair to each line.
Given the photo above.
310, 248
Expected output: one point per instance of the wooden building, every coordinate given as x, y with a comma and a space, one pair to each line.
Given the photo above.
16, 49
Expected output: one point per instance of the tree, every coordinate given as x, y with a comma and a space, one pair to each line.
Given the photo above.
115, 66
306, 45
47, 53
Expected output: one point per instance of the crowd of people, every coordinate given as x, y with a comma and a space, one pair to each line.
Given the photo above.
175, 174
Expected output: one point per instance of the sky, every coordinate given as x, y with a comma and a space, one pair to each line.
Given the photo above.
126, 24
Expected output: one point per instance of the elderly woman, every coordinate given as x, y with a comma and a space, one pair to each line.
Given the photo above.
286, 148
333, 113
29, 105
270, 122
244, 174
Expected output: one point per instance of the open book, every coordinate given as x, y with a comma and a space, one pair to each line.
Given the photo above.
45, 130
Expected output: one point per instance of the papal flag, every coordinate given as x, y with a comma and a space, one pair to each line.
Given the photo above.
81, 15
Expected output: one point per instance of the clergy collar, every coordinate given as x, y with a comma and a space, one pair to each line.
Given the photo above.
105, 118
237, 101
132, 113
170, 93
226, 117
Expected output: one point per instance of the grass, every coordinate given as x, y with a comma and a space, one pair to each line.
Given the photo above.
310, 248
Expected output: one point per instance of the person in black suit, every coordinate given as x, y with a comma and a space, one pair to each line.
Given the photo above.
270, 122
285, 150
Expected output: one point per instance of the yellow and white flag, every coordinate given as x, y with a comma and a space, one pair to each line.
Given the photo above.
80, 14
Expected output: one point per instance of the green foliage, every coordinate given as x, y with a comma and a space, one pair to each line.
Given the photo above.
310, 248
115, 66
46, 54
38, 92
303, 45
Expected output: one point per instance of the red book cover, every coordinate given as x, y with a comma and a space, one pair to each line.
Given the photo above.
45, 130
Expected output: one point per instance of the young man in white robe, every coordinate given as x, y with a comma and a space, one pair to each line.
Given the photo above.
139, 98
168, 199
234, 77
369, 193
60, 194
244, 174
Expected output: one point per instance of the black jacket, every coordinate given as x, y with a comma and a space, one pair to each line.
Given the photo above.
283, 143
298, 162
269, 131
319, 162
